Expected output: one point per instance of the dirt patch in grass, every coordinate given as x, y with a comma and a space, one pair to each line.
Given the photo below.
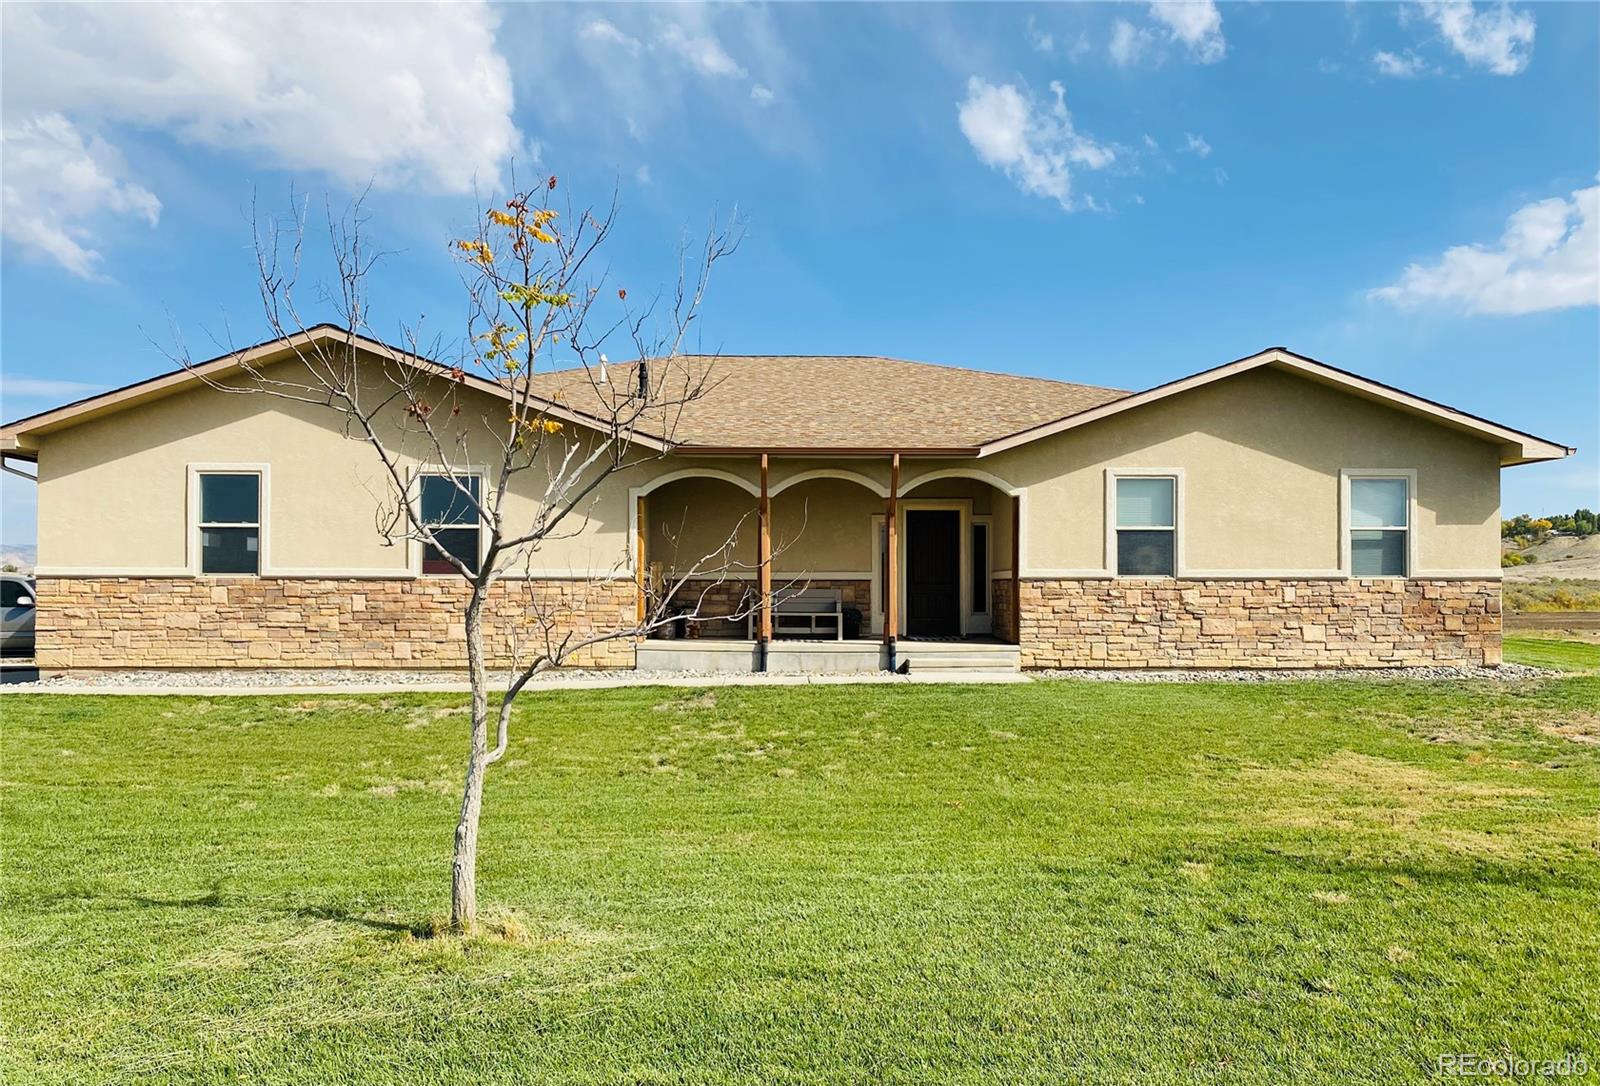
688, 703
1575, 726
1354, 793
318, 705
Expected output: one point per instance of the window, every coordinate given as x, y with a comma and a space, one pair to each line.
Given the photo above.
1380, 526
452, 516
12, 593
230, 522
980, 569
1146, 526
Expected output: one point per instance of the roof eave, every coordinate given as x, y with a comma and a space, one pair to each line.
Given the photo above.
820, 451
24, 432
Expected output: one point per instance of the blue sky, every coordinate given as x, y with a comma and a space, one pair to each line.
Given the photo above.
1115, 194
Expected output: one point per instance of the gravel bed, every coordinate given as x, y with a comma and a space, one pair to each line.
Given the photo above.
229, 677
1504, 673
333, 677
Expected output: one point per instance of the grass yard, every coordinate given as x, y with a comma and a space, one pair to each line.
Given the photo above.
1298, 883
1553, 652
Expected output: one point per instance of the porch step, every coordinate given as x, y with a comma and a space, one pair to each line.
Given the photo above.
961, 657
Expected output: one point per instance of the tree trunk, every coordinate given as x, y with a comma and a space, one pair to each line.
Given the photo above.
464, 865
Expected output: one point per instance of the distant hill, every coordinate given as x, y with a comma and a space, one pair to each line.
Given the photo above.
1555, 556
22, 555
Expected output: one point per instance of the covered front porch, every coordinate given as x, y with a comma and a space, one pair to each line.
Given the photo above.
801, 566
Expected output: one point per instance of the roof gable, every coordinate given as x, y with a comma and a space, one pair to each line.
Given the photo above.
18, 436
1517, 447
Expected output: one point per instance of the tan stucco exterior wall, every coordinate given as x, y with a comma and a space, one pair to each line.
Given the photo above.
688, 519
1261, 455
114, 492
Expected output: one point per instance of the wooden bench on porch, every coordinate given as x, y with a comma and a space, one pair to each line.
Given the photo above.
809, 611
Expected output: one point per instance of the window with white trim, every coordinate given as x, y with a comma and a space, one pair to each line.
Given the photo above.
1146, 526
1380, 525
448, 506
230, 522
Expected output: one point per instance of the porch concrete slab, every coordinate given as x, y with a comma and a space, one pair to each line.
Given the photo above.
801, 656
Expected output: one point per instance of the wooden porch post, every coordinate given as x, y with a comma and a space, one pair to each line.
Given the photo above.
764, 563
891, 593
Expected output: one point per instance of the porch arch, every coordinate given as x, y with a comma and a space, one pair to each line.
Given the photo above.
697, 473
831, 473
906, 486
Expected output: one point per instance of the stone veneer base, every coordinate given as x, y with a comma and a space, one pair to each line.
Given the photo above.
1269, 623
232, 622
415, 623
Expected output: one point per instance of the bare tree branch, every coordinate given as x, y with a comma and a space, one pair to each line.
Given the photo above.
490, 415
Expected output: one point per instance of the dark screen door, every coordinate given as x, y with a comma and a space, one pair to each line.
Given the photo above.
933, 573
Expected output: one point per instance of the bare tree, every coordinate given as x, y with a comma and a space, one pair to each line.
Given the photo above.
526, 470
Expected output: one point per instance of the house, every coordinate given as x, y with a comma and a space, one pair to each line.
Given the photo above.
1270, 512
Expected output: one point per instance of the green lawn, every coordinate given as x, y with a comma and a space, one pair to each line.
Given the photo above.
1553, 653
1293, 883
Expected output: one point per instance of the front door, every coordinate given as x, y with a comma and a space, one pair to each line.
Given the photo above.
933, 573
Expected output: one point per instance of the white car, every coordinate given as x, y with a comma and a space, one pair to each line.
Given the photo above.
16, 615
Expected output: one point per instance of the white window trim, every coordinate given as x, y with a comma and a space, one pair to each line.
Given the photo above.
263, 513
1346, 526
416, 548
1179, 565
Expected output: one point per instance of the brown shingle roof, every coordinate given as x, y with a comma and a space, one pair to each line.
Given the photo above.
835, 403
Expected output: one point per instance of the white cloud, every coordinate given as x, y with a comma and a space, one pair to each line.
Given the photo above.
693, 62
703, 52
1197, 24
1497, 38
1036, 146
58, 185
642, 175
1196, 144
603, 30
1547, 258
1405, 65
36, 388
1041, 41
419, 97
1220, 175
1128, 43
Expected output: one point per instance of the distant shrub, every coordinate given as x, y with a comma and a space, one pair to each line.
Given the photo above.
1550, 594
